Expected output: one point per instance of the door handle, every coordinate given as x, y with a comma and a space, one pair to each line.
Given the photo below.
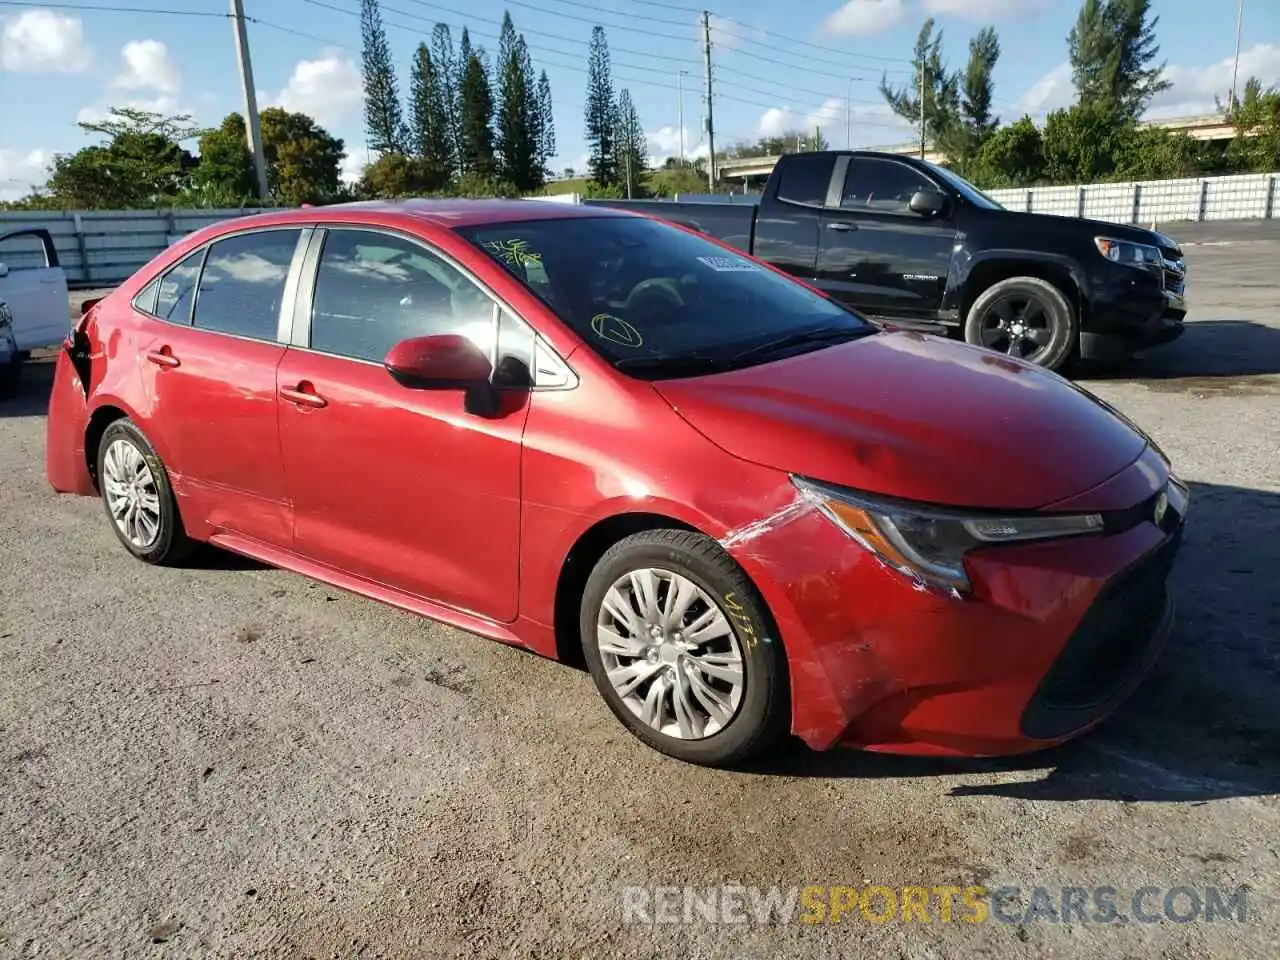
841, 225
304, 394
163, 358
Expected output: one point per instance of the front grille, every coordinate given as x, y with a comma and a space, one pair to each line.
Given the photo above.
1108, 650
1174, 274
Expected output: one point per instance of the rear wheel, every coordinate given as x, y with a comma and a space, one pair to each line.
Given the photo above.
138, 498
1026, 318
682, 649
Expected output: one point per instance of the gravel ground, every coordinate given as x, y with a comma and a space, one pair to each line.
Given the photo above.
232, 761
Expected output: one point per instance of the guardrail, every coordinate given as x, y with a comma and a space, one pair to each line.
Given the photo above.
103, 247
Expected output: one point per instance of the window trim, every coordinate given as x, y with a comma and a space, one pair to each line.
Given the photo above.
864, 211
298, 334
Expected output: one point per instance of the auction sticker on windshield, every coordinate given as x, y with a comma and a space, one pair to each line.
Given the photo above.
729, 265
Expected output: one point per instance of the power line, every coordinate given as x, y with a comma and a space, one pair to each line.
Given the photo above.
112, 8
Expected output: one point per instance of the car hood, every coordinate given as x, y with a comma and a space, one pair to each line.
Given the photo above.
1092, 228
908, 415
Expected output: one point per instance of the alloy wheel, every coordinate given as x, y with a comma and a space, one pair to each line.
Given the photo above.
131, 493
670, 653
1019, 326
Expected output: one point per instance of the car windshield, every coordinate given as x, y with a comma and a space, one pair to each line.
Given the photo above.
970, 192
655, 300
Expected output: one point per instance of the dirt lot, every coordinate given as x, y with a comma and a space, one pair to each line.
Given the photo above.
232, 761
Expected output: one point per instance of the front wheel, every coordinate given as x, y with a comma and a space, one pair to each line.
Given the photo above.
1026, 318
682, 649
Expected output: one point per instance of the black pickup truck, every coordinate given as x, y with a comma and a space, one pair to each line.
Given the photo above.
909, 243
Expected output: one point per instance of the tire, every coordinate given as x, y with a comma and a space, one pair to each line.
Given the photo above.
127, 461
683, 564
1007, 316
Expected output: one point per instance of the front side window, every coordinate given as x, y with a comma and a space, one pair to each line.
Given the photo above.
881, 185
638, 289
375, 289
242, 285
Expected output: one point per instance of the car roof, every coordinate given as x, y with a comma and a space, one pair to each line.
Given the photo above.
448, 213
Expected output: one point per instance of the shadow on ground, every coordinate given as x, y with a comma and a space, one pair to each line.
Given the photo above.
29, 397
1203, 726
1211, 356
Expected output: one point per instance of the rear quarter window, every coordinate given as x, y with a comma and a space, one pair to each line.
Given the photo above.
805, 179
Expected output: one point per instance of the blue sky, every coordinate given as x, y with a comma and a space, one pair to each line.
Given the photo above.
777, 65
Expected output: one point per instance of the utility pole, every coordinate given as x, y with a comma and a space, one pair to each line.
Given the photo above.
922, 108
252, 127
629, 151
848, 115
680, 86
1235, 70
711, 127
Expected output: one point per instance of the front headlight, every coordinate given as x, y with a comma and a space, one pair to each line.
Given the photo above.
1128, 253
927, 543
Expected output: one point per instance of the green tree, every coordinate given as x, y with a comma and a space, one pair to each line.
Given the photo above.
1113, 53
394, 175
517, 122
632, 146
1256, 117
476, 116
601, 113
975, 121
448, 73
1086, 144
1013, 156
141, 164
225, 175
430, 136
304, 162
941, 97
383, 120
546, 126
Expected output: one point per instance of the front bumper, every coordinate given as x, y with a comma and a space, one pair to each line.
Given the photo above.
1053, 637
1131, 310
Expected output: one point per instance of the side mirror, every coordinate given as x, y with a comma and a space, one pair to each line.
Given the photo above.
4, 269
441, 362
928, 203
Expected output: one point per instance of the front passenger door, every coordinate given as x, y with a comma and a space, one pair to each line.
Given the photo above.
399, 486
879, 256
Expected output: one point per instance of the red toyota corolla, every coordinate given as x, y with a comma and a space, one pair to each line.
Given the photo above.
593, 434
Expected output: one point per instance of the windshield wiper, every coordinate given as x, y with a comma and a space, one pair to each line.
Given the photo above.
799, 338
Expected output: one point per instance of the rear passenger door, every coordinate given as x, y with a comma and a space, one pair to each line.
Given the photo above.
399, 486
876, 254
786, 234
208, 362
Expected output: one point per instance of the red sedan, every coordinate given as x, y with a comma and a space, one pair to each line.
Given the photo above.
599, 436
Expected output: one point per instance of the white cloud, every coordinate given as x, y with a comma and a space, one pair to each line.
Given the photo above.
1050, 92
353, 165
1194, 88
868, 124
864, 17
22, 170
148, 66
41, 41
986, 10
329, 89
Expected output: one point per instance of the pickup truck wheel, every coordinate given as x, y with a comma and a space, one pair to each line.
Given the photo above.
679, 644
1026, 318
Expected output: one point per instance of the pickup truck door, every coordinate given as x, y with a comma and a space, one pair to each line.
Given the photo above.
878, 256
35, 288
789, 220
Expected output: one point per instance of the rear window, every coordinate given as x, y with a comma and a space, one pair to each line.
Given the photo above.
805, 178
242, 285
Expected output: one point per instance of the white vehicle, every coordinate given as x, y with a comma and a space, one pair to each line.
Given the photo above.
33, 299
